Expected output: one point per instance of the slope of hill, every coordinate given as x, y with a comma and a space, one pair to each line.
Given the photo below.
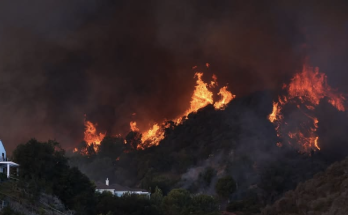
238, 141
325, 194
21, 202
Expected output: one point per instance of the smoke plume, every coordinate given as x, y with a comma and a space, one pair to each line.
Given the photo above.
108, 60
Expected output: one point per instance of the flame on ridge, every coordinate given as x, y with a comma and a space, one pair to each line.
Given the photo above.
201, 97
226, 97
91, 135
306, 90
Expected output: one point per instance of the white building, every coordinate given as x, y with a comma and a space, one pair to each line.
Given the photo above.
119, 190
5, 164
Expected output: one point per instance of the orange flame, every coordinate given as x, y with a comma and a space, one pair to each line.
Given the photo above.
91, 135
152, 137
308, 88
275, 115
133, 126
214, 82
226, 97
201, 97
311, 86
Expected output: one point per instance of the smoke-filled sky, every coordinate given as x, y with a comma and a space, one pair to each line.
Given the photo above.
108, 59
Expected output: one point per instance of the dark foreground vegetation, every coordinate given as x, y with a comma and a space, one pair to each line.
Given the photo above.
214, 161
45, 173
47, 185
237, 143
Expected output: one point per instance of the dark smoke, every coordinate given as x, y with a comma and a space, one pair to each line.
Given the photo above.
109, 59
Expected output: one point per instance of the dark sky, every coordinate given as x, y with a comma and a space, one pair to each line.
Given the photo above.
60, 60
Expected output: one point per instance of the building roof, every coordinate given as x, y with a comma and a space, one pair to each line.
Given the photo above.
111, 186
9, 162
117, 187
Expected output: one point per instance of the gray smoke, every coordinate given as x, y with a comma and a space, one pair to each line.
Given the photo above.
107, 59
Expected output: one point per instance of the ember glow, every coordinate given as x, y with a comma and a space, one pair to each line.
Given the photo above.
133, 126
305, 91
91, 135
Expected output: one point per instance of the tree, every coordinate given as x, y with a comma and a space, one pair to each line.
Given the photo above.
207, 175
133, 139
41, 162
44, 168
225, 186
106, 203
204, 204
75, 190
157, 197
176, 202
111, 147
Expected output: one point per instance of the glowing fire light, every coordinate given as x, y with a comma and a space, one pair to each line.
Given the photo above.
214, 82
306, 90
201, 97
133, 126
153, 136
91, 135
275, 115
226, 97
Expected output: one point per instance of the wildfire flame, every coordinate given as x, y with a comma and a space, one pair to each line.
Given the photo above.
133, 126
201, 97
306, 90
91, 135
226, 97
214, 82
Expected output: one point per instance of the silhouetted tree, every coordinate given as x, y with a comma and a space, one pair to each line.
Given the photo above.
44, 168
133, 139
176, 202
225, 186
111, 147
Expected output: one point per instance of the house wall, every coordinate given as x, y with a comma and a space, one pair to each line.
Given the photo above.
2, 152
120, 193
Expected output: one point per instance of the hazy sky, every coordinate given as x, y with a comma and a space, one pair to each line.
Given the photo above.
60, 60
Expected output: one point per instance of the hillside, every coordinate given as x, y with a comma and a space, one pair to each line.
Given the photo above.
238, 141
22, 202
325, 194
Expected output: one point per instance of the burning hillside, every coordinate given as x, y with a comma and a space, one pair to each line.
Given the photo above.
298, 129
305, 91
201, 97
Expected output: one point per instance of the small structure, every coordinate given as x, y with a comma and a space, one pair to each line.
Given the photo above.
5, 164
119, 190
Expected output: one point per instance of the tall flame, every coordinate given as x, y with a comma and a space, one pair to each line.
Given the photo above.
201, 97
153, 136
226, 97
306, 90
133, 126
91, 135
